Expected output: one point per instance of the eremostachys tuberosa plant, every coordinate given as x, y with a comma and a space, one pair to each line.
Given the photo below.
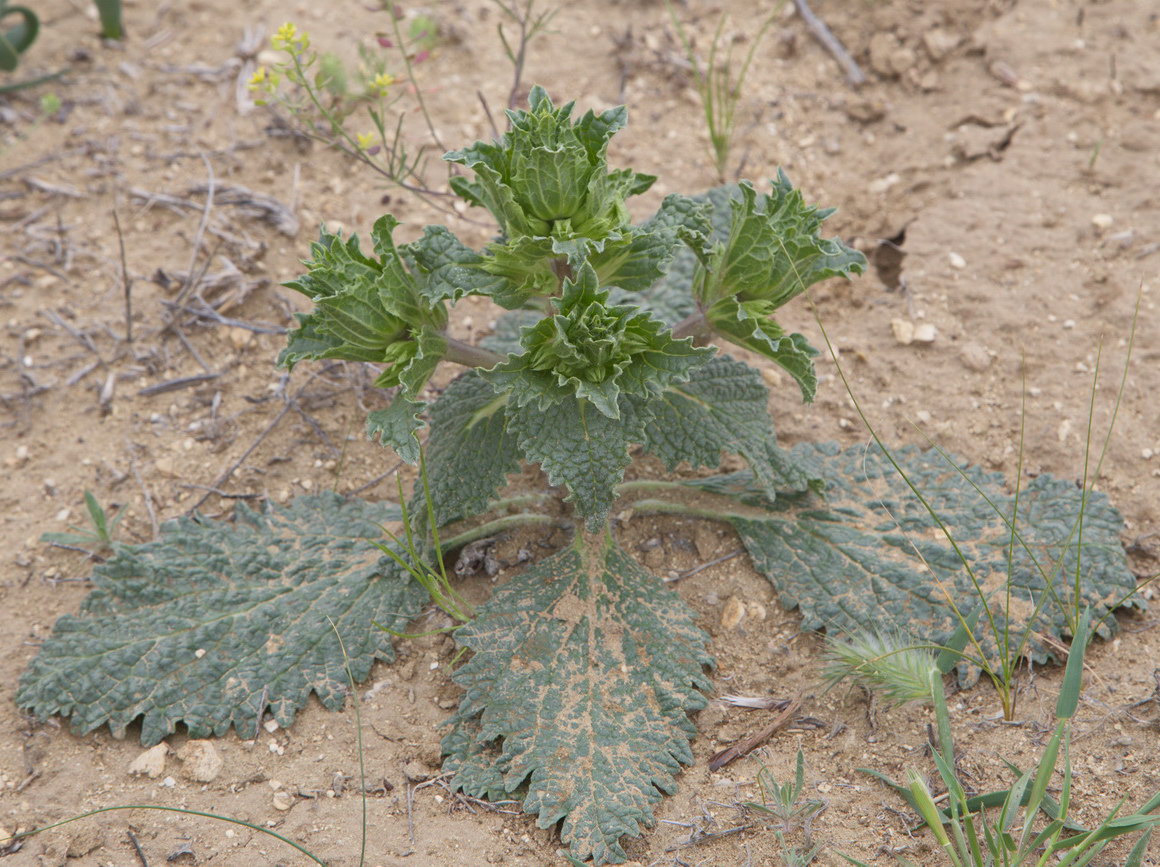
581, 672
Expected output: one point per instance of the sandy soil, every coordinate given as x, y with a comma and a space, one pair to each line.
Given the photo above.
1016, 144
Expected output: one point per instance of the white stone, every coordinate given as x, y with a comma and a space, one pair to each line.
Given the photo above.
957, 261
150, 763
1103, 221
925, 333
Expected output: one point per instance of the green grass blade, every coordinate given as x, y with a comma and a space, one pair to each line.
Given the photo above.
1136, 856
1073, 675
110, 13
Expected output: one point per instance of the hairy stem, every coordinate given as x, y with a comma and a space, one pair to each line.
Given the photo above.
462, 352
646, 485
666, 507
490, 528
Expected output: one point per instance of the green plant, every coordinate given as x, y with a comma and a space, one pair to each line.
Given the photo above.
1004, 827
18, 38
783, 802
718, 87
323, 97
110, 15
583, 669
99, 538
785, 806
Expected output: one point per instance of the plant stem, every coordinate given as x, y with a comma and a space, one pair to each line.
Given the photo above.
523, 519
469, 355
693, 325
395, 15
646, 485
664, 507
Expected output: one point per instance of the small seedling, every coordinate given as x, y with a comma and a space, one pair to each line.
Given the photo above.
97, 541
788, 811
720, 84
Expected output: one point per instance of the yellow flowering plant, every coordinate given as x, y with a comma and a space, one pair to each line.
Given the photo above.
323, 95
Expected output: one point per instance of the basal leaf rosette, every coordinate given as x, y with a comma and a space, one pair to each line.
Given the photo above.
373, 310
773, 253
595, 352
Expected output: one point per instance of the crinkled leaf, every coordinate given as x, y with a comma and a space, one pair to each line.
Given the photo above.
548, 177
396, 427
581, 447
670, 298
746, 325
365, 309
596, 352
774, 251
583, 673
869, 556
453, 269
509, 328
723, 407
215, 622
469, 452
642, 258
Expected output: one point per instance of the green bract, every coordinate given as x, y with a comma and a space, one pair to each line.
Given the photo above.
548, 177
367, 310
771, 254
595, 351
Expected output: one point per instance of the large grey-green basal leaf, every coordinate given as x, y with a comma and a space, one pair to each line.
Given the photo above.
868, 555
214, 623
584, 670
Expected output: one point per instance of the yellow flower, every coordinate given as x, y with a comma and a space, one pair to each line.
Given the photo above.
258, 79
365, 140
288, 38
381, 82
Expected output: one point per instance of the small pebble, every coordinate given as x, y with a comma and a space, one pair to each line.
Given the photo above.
201, 762
957, 261
881, 185
923, 416
925, 333
733, 613
1147, 454
1069, 323
903, 330
282, 801
150, 763
169, 782
974, 356
1102, 221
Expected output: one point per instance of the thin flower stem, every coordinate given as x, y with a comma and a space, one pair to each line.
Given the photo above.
394, 14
